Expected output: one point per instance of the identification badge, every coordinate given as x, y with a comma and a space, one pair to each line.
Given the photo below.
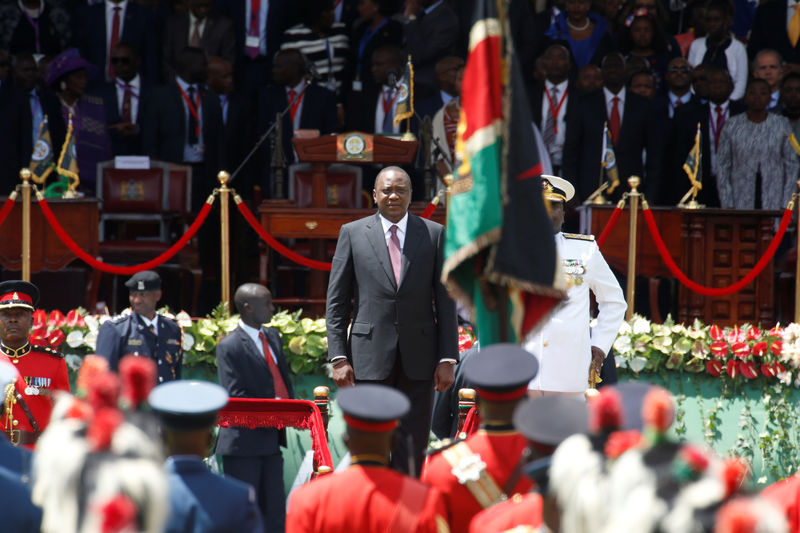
134, 342
357, 86
199, 149
252, 41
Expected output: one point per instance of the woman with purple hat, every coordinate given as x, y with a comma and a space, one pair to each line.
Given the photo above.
68, 75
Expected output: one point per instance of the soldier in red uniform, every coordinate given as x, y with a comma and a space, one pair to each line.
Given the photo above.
486, 468
42, 369
545, 421
368, 496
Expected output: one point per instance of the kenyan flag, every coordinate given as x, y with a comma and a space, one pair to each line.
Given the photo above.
500, 258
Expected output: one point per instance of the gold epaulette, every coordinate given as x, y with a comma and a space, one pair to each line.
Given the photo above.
578, 236
48, 350
441, 445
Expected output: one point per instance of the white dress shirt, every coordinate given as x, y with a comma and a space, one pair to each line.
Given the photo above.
200, 24
151, 323
712, 127
610, 103
675, 101
136, 90
402, 224
556, 150
386, 92
253, 334
263, 11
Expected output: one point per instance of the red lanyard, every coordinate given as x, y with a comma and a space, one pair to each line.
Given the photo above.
295, 98
387, 105
193, 108
555, 110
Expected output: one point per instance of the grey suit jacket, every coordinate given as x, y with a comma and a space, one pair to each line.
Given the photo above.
218, 39
416, 319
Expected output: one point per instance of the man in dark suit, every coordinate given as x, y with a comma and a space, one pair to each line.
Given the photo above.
251, 364
176, 129
387, 274
554, 102
772, 29
679, 86
11, 128
196, 27
378, 98
314, 107
711, 117
123, 101
431, 35
633, 126
446, 75
102, 26
34, 104
257, 39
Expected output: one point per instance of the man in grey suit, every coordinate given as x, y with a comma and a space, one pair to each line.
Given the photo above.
386, 274
251, 364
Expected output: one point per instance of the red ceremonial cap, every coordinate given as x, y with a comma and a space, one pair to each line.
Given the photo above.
17, 293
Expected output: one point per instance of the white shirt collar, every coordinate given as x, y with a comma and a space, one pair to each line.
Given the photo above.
402, 224
609, 95
674, 98
251, 331
560, 86
194, 21
297, 88
150, 323
133, 84
111, 5
184, 84
446, 97
723, 105
34, 14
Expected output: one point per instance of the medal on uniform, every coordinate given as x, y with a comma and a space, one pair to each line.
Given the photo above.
575, 270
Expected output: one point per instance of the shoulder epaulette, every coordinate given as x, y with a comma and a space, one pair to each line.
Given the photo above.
578, 236
48, 350
118, 318
441, 445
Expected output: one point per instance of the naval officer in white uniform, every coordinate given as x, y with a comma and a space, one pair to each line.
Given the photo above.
566, 346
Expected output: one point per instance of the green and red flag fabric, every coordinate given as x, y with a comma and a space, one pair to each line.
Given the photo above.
41, 164
694, 162
500, 255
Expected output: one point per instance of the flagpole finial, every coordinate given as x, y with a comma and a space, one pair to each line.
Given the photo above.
223, 177
634, 182
25, 174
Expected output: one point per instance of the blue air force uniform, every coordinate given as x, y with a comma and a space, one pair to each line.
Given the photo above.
125, 335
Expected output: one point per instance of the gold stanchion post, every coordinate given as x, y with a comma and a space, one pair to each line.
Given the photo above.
224, 238
633, 182
797, 264
25, 174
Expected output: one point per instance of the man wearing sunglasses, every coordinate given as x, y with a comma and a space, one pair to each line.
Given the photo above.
679, 85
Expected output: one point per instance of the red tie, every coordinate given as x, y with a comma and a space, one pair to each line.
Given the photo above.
718, 129
295, 105
255, 28
277, 379
613, 121
114, 39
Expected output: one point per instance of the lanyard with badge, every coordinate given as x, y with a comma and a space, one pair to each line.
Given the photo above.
554, 111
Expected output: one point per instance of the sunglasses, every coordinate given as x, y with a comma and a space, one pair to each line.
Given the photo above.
121, 60
685, 70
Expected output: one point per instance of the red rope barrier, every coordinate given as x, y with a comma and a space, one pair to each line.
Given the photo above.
716, 291
281, 249
612, 221
7, 206
126, 270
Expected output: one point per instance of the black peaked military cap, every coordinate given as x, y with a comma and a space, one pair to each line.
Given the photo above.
548, 420
371, 407
187, 405
501, 372
146, 280
18, 293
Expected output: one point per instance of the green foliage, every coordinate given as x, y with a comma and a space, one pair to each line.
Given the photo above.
304, 341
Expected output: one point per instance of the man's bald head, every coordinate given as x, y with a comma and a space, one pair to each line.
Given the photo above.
254, 304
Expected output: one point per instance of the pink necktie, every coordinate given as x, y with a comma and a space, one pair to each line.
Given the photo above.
395, 253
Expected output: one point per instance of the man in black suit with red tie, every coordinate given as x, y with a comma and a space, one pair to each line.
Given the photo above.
389, 318
102, 26
634, 126
251, 364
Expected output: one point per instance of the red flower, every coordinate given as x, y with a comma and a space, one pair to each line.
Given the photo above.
101, 430
75, 319
739, 515
620, 442
771, 370
716, 333
753, 334
748, 369
465, 342
719, 349
776, 347
119, 514
138, 378
696, 458
777, 331
714, 367
732, 368
735, 335
741, 349
56, 338
39, 318
605, 410
658, 411
56, 319
759, 349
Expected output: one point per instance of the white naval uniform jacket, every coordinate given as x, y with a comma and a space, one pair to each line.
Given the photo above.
563, 346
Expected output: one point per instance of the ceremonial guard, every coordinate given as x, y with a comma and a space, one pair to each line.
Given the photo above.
42, 370
566, 347
368, 496
200, 501
143, 332
485, 469
545, 421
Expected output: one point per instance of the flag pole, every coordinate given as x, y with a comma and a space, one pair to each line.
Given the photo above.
630, 292
797, 271
25, 174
